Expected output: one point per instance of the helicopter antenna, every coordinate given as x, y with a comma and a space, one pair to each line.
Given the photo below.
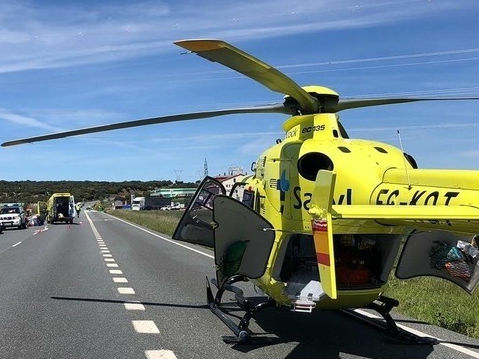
404, 158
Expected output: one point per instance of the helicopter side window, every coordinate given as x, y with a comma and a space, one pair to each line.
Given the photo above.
248, 198
243, 195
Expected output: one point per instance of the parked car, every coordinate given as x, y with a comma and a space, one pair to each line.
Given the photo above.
13, 216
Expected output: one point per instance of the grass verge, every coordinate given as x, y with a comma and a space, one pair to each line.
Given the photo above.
160, 221
438, 302
428, 299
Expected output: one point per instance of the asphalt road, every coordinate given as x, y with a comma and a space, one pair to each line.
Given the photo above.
63, 296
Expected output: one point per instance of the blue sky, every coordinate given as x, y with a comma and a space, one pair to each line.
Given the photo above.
65, 65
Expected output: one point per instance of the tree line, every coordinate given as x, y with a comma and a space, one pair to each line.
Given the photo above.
34, 191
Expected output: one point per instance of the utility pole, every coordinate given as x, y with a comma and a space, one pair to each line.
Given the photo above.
205, 173
178, 173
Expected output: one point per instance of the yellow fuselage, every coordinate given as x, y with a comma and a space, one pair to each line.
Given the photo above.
368, 172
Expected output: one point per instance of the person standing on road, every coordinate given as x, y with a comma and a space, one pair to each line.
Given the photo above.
78, 209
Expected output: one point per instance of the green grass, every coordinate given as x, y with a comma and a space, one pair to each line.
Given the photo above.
437, 302
429, 299
160, 221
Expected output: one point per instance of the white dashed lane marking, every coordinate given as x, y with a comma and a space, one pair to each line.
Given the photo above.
140, 326
145, 326
125, 290
120, 280
16, 244
134, 306
160, 354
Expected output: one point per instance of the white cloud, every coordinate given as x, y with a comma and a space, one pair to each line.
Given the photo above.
255, 147
470, 154
415, 127
76, 117
65, 35
25, 120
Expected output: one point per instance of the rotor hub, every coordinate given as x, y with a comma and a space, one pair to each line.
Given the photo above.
326, 97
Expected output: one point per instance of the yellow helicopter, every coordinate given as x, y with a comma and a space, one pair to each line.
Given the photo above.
320, 223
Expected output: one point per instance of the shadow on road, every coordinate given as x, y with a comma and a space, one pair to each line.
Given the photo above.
115, 301
322, 334
327, 334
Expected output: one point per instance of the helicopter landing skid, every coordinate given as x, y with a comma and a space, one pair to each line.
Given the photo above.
383, 305
241, 332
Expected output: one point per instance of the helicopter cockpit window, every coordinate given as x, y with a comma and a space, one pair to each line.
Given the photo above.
196, 224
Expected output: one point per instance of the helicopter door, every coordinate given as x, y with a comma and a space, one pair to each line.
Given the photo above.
440, 254
243, 240
196, 225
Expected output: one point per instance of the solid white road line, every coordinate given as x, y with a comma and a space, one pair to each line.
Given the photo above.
134, 306
145, 326
160, 354
93, 228
125, 290
16, 244
120, 280
165, 239
421, 334
112, 265
115, 271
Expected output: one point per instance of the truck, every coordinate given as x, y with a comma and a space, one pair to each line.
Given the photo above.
138, 204
149, 202
61, 208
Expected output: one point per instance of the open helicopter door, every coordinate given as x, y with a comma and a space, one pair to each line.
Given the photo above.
196, 224
441, 254
243, 240
322, 227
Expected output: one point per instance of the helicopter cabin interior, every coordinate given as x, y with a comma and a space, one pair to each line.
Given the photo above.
362, 261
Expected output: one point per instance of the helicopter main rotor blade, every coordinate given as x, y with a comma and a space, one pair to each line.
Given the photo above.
276, 108
238, 60
358, 103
